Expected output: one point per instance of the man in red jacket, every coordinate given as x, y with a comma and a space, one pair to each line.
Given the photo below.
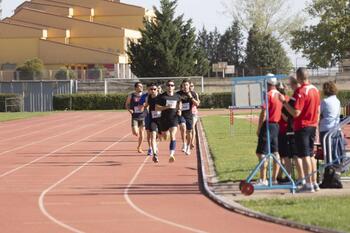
306, 118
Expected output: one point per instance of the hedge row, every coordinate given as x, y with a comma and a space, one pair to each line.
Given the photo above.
2, 100
89, 102
117, 101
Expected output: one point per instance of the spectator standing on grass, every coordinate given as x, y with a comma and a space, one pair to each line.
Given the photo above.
285, 146
274, 112
330, 109
306, 118
136, 109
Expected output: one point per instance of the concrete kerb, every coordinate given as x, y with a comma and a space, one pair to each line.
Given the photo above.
204, 157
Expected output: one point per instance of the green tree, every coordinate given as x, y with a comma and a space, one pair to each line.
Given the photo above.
268, 16
65, 74
265, 54
31, 69
326, 43
230, 48
167, 46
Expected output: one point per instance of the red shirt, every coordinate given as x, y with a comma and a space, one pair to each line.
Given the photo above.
275, 106
307, 100
282, 123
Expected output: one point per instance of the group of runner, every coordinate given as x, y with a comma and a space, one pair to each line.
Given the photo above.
161, 114
292, 126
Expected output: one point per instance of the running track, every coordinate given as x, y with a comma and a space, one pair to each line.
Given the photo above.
79, 172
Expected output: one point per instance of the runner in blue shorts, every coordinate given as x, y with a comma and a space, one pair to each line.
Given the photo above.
188, 100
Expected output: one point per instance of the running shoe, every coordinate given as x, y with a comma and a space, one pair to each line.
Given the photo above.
262, 182
155, 159
188, 151
184, 148
306, 189
171, 159
316, 187
149, 152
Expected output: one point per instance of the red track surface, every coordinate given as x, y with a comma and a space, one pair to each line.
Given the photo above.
79, 172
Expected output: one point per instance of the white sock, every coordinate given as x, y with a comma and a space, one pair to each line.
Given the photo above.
172, 152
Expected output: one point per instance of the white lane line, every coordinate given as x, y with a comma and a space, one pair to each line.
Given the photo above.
138, 209
41, 130
43, 140
59, 149
42, 195
37, 123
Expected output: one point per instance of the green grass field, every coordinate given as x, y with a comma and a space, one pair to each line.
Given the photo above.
234, 155
234, 158
326, 212
21, 115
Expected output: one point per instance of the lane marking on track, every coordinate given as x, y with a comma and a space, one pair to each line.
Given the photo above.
41, 200
37, 123
45, 139
59, 149
138, 209
40, 130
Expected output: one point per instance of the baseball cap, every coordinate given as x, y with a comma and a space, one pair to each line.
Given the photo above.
272, 80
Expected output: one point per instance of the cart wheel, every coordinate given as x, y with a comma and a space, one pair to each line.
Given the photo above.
243, 182
247, 189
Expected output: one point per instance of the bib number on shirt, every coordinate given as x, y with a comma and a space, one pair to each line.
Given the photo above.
137, 109
156, 114
185, 106
171, 104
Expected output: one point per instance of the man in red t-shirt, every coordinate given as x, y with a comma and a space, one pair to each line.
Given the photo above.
274, 113
306, 118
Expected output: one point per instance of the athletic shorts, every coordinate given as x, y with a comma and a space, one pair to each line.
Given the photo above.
154, 125
188, 121
148, 121
181, 120
262, 147
304, 141
286, 146
138, 123
166, 124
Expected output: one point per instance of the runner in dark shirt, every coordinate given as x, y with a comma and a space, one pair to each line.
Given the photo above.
170, 106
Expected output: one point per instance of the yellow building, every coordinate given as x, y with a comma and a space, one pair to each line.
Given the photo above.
74, 33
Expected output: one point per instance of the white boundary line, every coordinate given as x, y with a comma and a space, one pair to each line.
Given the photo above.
35, 124
135, 207
59, 149
43, 140
41, 200
40, 130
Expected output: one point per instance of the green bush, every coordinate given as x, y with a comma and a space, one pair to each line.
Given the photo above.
65, 74
216, 100
89, 101
117, 101
15, 102
344, 97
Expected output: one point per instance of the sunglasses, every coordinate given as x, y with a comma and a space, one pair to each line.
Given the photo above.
191, 86
171, 85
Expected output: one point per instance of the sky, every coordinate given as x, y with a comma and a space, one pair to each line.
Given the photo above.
203, 12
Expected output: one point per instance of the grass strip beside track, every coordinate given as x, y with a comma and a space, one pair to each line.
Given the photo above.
327, 212
234, 155
21, 115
